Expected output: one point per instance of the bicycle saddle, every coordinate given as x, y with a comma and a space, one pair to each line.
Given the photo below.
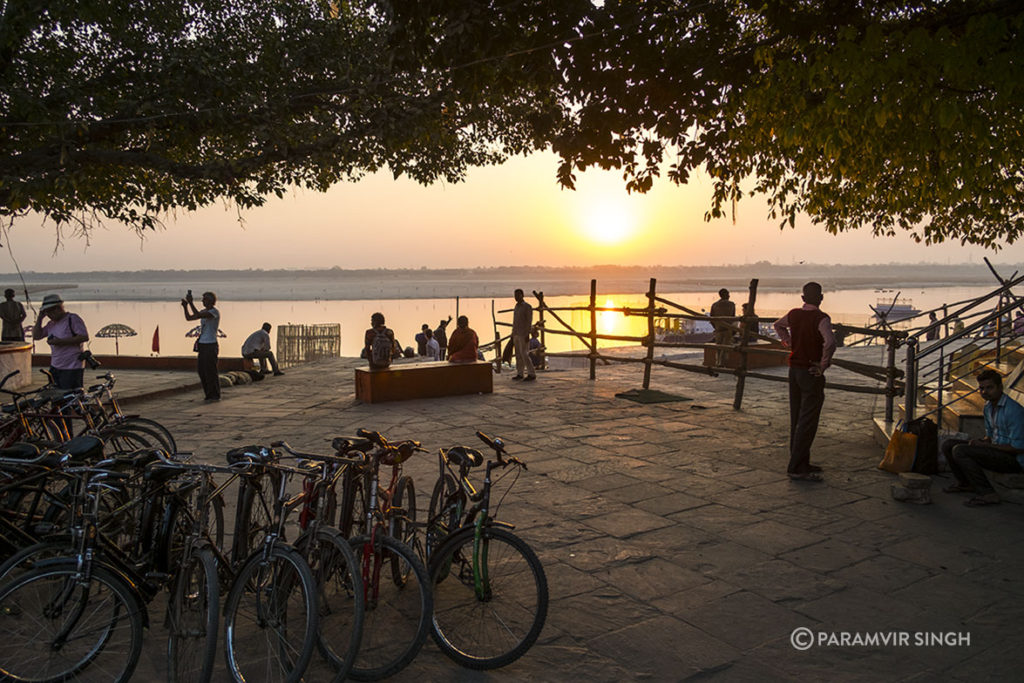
159, 472
460, 456
260, 454
82, 448
19, 451
25, 404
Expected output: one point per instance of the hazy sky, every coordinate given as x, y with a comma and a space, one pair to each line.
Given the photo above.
515, 214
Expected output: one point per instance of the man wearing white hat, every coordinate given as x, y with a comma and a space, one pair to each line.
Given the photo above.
66, 334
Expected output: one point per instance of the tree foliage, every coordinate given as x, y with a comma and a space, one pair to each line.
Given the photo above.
124, 109
879, 114
891, 114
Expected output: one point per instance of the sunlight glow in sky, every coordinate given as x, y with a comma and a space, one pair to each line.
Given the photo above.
514, 214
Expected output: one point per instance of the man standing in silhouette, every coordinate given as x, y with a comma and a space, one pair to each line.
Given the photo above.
522, 322
206, 346
807, 332
723, 330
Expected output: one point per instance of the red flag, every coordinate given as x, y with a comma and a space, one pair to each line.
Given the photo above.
156, 340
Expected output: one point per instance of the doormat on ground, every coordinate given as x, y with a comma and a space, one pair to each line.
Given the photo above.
650, 396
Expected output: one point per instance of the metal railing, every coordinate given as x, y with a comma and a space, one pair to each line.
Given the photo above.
982, 335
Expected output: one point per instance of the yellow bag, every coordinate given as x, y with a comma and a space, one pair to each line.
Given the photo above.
899, 454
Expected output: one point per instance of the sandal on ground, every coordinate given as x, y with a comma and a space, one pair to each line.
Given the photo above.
814, 468
958, 488
981, 501
806, 476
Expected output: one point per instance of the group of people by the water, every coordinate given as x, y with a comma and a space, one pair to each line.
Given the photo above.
67, 335
380, 346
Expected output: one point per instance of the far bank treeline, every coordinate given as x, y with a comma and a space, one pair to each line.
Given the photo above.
884, 115
771, 275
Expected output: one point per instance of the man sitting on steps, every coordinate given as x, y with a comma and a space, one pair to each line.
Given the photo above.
1002, 449
258, 346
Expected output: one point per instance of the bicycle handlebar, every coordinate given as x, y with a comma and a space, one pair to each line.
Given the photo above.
8, 376
357, 459
498, 445
168, 464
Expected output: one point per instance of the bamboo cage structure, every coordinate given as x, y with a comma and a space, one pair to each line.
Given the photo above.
300, 343
746, 329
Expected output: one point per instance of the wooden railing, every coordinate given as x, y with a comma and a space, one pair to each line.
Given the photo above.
746, 329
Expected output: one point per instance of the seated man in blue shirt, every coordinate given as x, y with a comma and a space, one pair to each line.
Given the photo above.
1002, 449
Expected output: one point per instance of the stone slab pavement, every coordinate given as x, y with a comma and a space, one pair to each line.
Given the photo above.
674, 545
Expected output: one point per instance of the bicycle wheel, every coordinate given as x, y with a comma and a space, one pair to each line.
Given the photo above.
254, 516
402, 525
441, 521
119, 440
397, 617
487, 619
355, 499
215, 520
341, 596
192, 619
57, 626
30, 557
155, 428
271, 618
172, 529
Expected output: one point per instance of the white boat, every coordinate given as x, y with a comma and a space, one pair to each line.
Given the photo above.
894, 310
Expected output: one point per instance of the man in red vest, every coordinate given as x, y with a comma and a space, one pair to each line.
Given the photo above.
807, 332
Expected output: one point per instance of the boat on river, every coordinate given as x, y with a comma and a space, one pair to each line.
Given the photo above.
894, 310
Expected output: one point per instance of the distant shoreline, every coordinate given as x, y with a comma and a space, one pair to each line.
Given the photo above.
373, 284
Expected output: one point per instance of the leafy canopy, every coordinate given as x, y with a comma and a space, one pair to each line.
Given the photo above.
879, 114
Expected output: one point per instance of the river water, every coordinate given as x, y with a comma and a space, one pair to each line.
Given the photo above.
405, 316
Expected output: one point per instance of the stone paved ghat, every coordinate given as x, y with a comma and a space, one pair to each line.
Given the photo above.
674, 545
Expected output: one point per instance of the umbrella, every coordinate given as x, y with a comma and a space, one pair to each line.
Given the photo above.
116, 330
195, 331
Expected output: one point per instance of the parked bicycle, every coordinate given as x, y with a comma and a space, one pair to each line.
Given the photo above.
78, 615
398, 606
489, 588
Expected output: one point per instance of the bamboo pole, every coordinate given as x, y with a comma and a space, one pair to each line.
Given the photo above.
497, 339
568, 329
540, 324
855, 388
593, 329
586, 339
649, 341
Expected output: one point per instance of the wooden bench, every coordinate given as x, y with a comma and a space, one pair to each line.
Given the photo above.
430, 379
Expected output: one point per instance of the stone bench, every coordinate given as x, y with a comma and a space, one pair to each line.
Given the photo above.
430, 379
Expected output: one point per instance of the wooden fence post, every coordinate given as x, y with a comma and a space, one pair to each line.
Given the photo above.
749, 318
593, 329
649, 343
540, 325
497, 338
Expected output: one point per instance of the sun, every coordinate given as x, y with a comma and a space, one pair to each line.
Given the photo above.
608, 222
